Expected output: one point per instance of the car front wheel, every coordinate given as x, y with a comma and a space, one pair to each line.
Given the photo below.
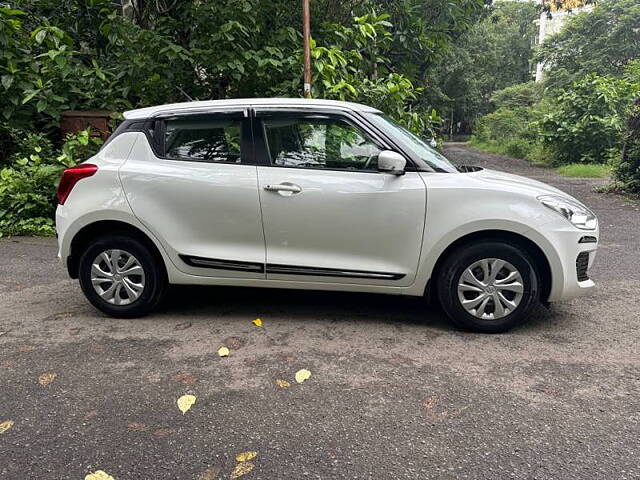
488, 287
120, 276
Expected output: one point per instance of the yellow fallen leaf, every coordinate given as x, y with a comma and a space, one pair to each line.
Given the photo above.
257, 322
245, 456
241, 469
223, 351
185, 402
302, 375
99, 475
6, 425
282, 383
46, 378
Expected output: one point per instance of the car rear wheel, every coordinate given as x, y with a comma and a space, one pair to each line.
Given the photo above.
120, 276
488, 287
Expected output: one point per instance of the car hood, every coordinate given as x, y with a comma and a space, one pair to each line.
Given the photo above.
503, 180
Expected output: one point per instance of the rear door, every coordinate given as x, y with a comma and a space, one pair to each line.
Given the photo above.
191, 181
329, 215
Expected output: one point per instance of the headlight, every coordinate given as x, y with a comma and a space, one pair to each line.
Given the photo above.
579, 215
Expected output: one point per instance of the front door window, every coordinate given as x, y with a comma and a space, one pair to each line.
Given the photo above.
319, 142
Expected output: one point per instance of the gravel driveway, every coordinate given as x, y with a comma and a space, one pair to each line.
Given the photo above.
394, 392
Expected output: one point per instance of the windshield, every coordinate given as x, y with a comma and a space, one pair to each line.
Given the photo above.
418, 147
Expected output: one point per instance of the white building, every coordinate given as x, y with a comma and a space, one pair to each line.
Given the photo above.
549, 26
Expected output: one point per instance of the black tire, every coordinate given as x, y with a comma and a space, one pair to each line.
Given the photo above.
155, 278
462, 258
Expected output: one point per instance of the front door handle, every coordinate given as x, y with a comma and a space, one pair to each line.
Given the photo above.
283, 188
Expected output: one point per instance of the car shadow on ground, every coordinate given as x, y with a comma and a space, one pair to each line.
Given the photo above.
205, 302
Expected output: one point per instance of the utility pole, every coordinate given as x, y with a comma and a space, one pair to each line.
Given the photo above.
306, 45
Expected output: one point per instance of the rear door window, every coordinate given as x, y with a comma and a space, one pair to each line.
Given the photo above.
204, 138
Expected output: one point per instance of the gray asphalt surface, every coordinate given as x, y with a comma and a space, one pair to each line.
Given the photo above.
395, 392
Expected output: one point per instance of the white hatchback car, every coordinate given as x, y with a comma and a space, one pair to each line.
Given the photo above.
313, 194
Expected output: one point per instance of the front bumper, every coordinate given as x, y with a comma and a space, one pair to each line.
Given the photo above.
570, 253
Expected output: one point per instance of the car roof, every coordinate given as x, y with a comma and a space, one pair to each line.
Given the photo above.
187, 107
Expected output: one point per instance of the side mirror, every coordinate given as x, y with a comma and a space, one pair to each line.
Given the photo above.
391, 162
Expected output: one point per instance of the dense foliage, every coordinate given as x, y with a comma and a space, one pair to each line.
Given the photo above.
28, 180
101, 54
603, 41
493, 54
581, 112
586, 122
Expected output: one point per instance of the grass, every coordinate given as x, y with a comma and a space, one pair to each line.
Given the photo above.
584, 171
538, 155
491, 147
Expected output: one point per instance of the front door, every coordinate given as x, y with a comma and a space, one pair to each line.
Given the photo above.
329, 215
197, 191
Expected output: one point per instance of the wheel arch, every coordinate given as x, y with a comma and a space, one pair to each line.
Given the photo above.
541, 262
83, 237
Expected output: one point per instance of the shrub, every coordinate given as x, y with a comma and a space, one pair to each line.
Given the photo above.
627, 169
28, 184
517, 147
588, 119
540, 154
502, 124
520, 95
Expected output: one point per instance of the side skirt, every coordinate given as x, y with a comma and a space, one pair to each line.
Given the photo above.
254, 267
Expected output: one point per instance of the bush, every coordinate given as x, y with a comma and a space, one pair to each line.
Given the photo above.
517, 147
503, 124
521, 95
627, 169
28, 183
540, 154
587, 120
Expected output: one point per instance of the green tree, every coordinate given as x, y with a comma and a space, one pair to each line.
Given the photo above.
495, 53
603, 41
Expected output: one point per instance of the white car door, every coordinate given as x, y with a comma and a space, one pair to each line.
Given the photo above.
193, 185
329, 215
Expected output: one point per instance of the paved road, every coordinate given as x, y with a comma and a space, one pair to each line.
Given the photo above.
394, 393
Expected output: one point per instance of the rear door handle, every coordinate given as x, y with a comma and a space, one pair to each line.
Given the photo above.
283, 187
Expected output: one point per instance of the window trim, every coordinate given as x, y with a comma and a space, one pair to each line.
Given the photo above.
261, 145
158, 122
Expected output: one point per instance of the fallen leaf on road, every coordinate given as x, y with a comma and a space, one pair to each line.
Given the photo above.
182, 326
302, 375
99, 475
241, 469
257, 322
185, 402
46, 378
137, 427
185, 378
234, 343
223, 352
246, 456
97, 348
210, 474
162, 432
26, 348
282, 383
6, 425
90, 415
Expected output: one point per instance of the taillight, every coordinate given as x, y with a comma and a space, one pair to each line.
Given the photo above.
70, 177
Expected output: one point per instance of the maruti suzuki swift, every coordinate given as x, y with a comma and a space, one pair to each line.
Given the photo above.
313, 194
